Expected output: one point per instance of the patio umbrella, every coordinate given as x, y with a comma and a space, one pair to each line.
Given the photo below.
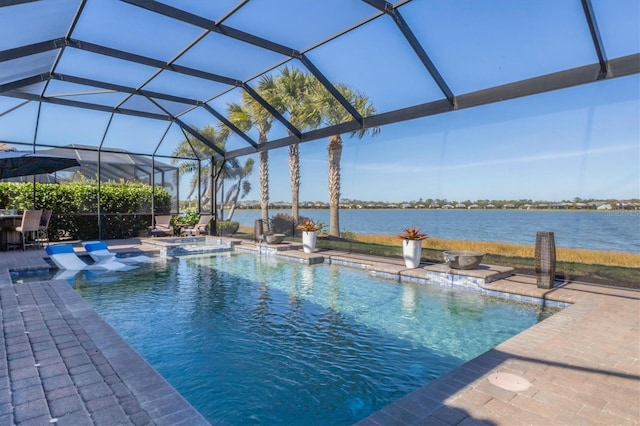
24, 163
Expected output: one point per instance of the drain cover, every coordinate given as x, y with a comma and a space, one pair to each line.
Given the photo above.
509, 381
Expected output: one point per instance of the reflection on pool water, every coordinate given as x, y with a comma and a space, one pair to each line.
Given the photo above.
253, 340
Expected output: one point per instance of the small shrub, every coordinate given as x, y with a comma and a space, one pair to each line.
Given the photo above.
188, 218
227, 227
282, 224
349, 235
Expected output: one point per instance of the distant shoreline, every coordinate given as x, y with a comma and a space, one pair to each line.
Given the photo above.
431, 204
636, 211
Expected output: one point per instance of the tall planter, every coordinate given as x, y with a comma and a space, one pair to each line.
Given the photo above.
545, 259
309, 241
411, 252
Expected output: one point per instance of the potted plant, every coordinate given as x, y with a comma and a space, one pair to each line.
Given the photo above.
309, 229
412, 246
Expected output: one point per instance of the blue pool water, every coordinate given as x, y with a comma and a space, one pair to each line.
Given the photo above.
254, 340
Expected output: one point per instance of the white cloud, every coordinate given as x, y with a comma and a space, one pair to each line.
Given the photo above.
404, 168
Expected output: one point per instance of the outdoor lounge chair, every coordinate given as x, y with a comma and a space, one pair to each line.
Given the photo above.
65, 257
162, 226
199, 228
100, 253
66, 275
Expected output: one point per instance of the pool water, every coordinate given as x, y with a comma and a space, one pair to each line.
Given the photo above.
253, 340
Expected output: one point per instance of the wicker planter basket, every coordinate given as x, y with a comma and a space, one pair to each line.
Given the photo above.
545, 259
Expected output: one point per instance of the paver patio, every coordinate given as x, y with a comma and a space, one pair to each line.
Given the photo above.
61, 363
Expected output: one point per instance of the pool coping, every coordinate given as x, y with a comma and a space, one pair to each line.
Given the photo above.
581, 364
476, 280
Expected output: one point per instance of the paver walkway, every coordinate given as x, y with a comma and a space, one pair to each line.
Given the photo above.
61, 363
578, 367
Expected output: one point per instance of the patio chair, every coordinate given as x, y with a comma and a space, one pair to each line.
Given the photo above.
200, 228
64, 257
162, 226
30, 226
43, 229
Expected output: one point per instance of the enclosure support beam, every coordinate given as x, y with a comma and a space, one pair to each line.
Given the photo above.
404, 28
619, 67
198, 136
595, 35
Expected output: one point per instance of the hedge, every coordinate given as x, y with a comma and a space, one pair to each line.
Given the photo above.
125, 207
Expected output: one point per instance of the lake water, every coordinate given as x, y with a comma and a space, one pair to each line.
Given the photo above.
593, 230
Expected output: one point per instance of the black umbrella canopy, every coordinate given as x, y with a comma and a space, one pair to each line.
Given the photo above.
25, 163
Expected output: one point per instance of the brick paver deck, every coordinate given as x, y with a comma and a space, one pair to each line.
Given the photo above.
581, 367
61, 363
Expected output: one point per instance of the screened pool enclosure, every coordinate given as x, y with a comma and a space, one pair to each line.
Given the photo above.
193, 89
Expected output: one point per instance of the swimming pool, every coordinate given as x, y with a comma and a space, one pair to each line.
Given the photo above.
251, 339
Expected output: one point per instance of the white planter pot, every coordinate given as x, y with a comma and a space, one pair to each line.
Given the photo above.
308, 241
412, 251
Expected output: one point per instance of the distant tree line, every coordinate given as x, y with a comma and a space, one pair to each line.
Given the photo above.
429, 203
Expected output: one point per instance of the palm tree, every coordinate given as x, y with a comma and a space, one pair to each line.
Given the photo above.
328, 112
250, 114
191, 147
232, 169
241, 187
292, 89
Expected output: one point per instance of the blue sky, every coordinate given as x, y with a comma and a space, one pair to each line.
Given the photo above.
579, 142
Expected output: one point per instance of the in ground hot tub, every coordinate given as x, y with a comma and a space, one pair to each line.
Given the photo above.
180, 246
462, 259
